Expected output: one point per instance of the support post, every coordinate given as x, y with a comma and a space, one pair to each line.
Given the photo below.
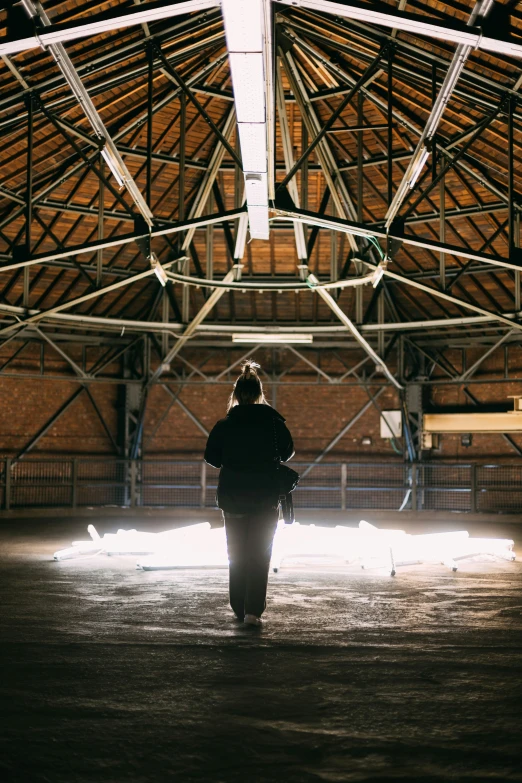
334, 272
517, 272
390, 128
511, 209
29, 195
210, 243
7, 499
182, 154
150, 85
360, 119
101, 209
185, 294
442, 232
304, 170
344, 473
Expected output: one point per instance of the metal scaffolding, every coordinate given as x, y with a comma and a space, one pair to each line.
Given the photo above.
130, 194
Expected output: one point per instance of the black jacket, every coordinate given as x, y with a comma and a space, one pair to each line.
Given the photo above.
243, 445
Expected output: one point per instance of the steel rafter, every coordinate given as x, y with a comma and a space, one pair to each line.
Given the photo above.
414, 24
322, 90
56, 34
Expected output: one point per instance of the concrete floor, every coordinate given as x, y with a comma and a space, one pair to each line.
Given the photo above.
111, 674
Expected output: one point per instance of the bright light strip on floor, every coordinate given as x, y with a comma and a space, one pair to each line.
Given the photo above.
266, 337
199, 546
244, 30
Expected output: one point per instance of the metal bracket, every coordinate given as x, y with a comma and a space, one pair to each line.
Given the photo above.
143, 242
394, 243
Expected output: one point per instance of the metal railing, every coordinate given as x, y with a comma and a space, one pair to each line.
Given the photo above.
82, 482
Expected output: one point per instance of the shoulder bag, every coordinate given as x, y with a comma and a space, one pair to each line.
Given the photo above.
288, 478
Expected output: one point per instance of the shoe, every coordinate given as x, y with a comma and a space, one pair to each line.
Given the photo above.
251, 619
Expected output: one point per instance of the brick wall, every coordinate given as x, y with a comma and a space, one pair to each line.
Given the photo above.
315, 414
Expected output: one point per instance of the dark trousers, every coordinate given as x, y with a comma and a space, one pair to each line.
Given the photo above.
249, 543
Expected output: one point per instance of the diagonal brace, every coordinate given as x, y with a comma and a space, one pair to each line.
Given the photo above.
332, 304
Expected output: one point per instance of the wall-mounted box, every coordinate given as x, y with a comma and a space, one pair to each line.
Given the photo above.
391, 424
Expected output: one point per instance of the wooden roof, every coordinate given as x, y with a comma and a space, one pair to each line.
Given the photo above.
113, 67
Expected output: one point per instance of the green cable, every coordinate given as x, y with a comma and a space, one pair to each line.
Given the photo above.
377, 245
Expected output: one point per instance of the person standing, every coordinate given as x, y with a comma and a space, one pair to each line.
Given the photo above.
248, 446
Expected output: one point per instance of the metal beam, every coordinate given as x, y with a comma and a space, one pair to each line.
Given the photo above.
414, 24
109, 150
78, 370
135, 326
335, 183
65, 174
208, 119
187, 411
214, 297
205, 187
361, 229
474, 367
56, 34
367, 76
424, 145
288, 154
48, 424
332, 304
90, 247
339, 72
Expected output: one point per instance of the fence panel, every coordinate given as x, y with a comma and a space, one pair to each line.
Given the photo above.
102, 482
326, 485
167, 483
444, 487
499, 488
378, 485
41, 483
320, 488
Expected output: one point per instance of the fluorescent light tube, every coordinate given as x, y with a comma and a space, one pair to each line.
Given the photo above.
110, 163
252, 137
256, 190
258, 222
248, 82
244, 29
267, 337
242, 25
418, 167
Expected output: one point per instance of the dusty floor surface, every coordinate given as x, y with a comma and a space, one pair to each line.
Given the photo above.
111, 674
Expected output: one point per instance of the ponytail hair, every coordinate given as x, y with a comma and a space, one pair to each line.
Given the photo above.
248, 389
